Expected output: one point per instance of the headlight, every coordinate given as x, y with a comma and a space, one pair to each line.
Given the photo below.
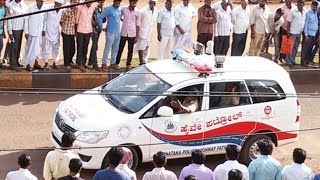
92, 137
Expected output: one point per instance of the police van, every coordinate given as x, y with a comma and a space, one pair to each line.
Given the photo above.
135, 110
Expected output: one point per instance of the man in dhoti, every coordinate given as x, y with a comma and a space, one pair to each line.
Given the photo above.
148, 20
51, 40
183, 13
34, 30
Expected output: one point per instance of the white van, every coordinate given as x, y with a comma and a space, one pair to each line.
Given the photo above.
134, 110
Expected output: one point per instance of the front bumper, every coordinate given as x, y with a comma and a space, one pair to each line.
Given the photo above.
91, 156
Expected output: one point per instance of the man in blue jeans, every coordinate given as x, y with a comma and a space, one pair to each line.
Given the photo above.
309, 34
3, 13
112, 13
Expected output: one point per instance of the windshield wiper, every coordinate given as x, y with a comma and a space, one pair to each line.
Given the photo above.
113, 101
124, 108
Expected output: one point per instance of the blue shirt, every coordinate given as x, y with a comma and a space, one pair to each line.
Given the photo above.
110, 175
311, 24
265, 168
113, 19
3, 13
317, 177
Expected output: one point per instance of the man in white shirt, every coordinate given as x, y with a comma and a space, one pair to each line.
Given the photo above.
197, 168
240, 20
297, 170
51, 40
165, 28
184, 13
222, 170
15, 30
275, 21
56, 164
159, 172
223, 29
34, 30
259, 26
296, 19
287, 7
148, 18
23, 173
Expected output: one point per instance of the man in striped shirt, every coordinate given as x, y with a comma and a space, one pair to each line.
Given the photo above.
222, 29
15, 29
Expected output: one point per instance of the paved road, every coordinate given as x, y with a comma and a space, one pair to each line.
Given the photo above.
25, 123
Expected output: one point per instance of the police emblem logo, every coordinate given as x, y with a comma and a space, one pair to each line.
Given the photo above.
170, 126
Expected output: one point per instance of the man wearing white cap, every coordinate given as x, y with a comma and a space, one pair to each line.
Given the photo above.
51, 40
148, 19
34, 30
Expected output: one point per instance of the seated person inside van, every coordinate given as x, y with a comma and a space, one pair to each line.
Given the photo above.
231, 89
190, 103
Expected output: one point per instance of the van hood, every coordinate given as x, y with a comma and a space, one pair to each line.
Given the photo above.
90, 112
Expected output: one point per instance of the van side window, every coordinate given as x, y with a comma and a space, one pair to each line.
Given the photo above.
265, 90
228, 94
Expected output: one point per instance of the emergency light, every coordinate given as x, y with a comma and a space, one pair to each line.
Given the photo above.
191, 60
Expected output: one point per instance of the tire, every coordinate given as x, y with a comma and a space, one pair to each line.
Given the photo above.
249, 149
131, 164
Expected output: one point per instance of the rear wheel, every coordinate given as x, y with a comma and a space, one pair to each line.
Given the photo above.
249, 150
132, 164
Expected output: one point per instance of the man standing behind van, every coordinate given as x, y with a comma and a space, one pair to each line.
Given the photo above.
15, 29
184, 13
295, 20
241, 21
206, 20
129, 31
165, 28
112, 13
148, 18
259, 26
56, 164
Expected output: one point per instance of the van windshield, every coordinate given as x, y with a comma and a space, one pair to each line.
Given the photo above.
132, 91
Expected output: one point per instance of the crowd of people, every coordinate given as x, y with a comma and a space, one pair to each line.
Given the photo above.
216, 23
65, 164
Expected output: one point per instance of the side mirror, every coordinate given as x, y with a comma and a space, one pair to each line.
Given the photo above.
165, 111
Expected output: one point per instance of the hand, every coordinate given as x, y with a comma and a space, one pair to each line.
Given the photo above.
176, 104
216, 39
252, 35
76, 34
159, 37
306, 39
43, 33
288, 35
26, 36
103, 29
11, 37
135, 40
270, 41
181, 31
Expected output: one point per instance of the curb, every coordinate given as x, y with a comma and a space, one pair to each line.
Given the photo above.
64, 80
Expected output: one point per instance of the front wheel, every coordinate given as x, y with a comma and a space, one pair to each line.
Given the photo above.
249, 150
132, 164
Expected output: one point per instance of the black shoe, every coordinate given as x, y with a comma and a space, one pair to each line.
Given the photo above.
29, 68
